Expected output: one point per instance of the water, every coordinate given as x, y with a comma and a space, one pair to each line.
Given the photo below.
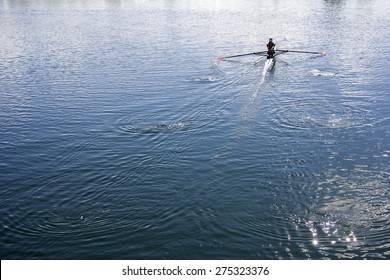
123, 137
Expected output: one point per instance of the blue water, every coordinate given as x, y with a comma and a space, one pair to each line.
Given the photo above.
124, 137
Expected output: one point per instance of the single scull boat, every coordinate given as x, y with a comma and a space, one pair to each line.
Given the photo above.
270, 62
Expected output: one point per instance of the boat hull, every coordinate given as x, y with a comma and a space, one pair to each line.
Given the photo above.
270, 62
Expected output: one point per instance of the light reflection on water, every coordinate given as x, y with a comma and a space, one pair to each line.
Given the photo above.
123, 132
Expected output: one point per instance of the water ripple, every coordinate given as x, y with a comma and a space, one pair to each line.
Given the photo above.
305, 114
155, 128
344, 215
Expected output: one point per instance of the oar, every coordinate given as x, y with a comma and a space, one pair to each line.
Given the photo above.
303, 52
238, 55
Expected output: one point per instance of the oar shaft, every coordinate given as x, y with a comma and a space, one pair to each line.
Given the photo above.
238, 55
303, 52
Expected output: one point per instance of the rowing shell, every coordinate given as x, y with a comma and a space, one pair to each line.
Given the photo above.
270, 62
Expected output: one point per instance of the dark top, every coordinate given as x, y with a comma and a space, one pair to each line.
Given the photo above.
270, 45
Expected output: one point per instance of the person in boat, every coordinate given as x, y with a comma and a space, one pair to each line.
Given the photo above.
271, 48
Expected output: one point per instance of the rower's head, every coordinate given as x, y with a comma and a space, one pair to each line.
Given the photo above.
270, 39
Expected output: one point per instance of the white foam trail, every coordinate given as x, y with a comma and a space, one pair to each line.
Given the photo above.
267, 67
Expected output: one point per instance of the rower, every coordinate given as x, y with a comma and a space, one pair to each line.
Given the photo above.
271, 48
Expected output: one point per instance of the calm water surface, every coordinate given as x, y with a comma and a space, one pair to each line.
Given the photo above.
123, 137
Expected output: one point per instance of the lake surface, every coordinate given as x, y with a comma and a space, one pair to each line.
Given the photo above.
122, 136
